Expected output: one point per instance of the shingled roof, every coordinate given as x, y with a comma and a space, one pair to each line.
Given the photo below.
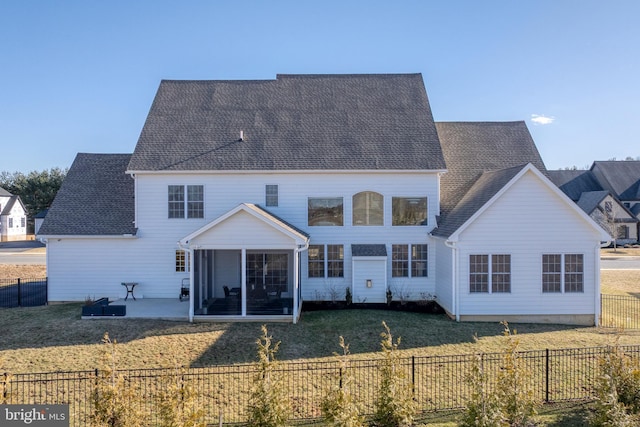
296, 122
622, 178
96, 198
473, 148
4, 193
575, 182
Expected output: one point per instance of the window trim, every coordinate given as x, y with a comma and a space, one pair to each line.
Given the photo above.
410, 260
490, 276
271, 198
564, 273
187, 206
397, 199
341, 209
329, 264
182, 261
369, 211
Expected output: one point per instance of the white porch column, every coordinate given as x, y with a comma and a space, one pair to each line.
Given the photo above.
296, 283
243, 280
191, 300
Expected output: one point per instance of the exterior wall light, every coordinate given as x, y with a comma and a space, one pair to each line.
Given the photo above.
369, 283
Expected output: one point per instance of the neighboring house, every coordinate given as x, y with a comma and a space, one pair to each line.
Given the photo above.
265, 194
13, 217
609, 193
39, 219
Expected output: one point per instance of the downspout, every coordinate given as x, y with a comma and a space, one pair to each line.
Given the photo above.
454, 265
596, 274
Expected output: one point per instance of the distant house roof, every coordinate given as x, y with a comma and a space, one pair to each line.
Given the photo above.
296, 122
481, 158
622, 178
6, 209
575, 182
4, 193
590, 200
41, 214
95, 199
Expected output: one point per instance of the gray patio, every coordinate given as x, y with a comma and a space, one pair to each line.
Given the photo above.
155, 308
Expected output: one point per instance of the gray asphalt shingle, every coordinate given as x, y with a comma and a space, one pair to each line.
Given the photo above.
296, 122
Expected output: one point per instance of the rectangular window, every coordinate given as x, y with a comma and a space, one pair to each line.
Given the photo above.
400, 261
10, 222
419, 255
573, 273
335, 261
195, 201
501, 273
623, 232
23, 222
325, 211
316, 260
182, 261
326, 264
271, 195
176, 201
562, 273
409, 210
478, 273
551, 273
192, 204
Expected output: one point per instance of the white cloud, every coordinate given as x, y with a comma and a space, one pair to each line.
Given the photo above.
542, 120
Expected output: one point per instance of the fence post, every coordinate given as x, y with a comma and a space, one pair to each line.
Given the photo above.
46, 290
546, 376
413, 375
19, 294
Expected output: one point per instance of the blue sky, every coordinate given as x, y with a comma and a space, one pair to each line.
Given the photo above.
80, 76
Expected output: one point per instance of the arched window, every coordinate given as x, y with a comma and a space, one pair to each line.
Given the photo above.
368, 208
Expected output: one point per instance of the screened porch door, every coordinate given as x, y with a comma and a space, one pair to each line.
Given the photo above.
267, 279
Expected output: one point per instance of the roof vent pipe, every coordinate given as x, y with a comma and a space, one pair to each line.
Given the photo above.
241, 136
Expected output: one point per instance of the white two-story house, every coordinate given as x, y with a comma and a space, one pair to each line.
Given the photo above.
13, 217
265, 194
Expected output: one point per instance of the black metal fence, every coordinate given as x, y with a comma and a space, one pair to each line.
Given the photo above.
23, 292
223, 391
619, 311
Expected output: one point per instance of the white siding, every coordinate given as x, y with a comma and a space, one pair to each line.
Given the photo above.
445, 269
80, 267
529, 220
369, 269
17, 216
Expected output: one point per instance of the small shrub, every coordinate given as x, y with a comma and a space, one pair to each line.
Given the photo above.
617, 390
389, 296
115, 400
5, 380
483, 408
510, 400
177, 401
348, 297
339, 407
394, 405
269, 404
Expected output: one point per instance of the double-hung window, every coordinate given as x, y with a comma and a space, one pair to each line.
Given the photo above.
490, 273
562, 273
326, 261
409, 260
271, 195
186, 199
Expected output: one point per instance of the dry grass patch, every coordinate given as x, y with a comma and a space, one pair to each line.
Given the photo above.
54, 338
10, 271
